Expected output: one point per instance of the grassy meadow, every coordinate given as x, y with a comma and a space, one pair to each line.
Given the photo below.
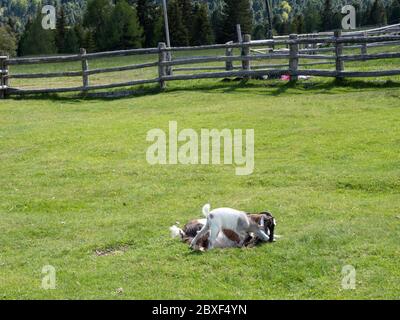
77, 193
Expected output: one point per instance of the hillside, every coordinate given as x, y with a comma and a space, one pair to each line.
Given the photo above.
20, 10
17, 12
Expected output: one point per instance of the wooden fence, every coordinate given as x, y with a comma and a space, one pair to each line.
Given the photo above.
294, 49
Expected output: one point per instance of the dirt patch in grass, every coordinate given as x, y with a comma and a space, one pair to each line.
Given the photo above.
113, 251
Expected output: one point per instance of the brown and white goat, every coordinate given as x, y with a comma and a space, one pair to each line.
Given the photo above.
248, 230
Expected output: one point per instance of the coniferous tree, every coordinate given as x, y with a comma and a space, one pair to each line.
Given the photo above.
366, 16
8, 42
217, 25
71, 44
278, 24
89, 42
202, 32
178, 31
150, 18
97, 20
299, 24
293, 25
124, 31
327, 16
13, 25
378, 13
187, 13
158, 28
80, 35
35, 40
359, 12
312, 18
259, 32
236, 12
394, 12
337, 20
60, 31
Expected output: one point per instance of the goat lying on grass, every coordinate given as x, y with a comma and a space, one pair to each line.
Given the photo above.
226, 228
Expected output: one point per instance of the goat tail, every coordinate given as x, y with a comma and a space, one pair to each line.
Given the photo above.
176, 232
206, 209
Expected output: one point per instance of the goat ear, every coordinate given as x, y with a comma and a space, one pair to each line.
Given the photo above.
262, 221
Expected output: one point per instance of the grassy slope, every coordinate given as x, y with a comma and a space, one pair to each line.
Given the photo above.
74, 178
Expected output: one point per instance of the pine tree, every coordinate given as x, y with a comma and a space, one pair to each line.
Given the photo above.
312, 19
202, 30
13, 24
8, 42
145, 19
293, 26
217, 25
35, 40
394, 9
60, 31
327, 16
367, 14
80, 35
178, 31
150, 18
124, 31
378, 14
300, 24
278, 24
187, 9
97, 20
71, 44
236, 12
337, 20
89, 42
158, 28
357, 6
259, 32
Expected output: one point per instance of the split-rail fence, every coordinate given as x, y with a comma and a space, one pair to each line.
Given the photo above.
322, 48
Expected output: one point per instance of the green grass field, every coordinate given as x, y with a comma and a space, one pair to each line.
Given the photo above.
75, 181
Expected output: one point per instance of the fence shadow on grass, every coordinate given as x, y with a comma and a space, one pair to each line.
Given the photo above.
236, 86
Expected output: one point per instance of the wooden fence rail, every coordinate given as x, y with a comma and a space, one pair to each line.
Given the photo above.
296, 49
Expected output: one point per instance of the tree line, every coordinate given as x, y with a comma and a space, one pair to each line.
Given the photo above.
122, 24
327, 16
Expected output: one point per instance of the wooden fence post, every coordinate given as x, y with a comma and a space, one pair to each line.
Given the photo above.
364, 49
169, 69
338, 54
246, 53
162, 58
3, 77
85, 69
294, 57
314, 45
239, 33
229, 53
2, 95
